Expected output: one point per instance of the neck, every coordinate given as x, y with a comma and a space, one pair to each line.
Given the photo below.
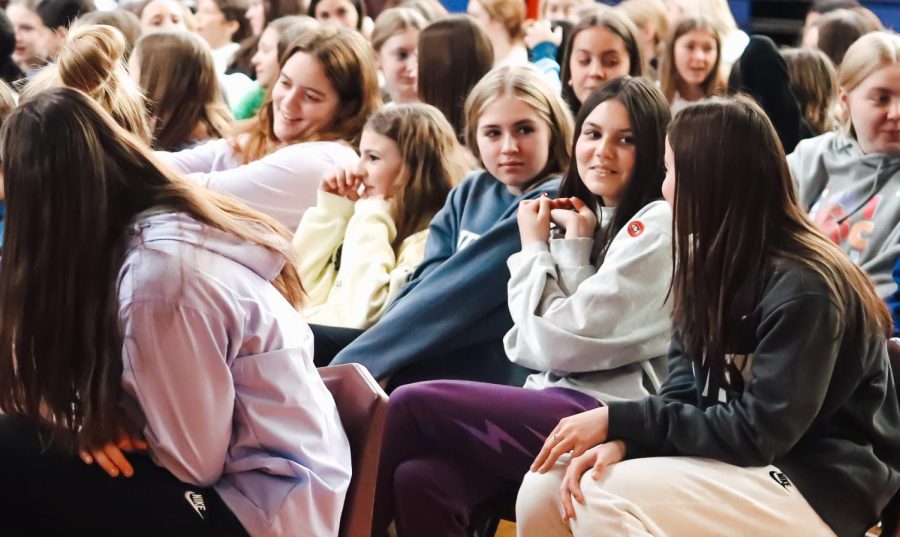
690, 92
502, 46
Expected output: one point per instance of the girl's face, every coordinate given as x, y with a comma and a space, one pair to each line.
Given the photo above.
514, 142
695, 56
597, 56
256, 16
560, 10
265, 60
668, 186
212, 25
380, 164
605, 151
399, 60
161, 15
337, 13
304, 101
32, 37
874, 107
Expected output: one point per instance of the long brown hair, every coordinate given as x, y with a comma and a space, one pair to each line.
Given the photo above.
179, 77
737, 218
431, 161
348, 61
75, 181
669, 79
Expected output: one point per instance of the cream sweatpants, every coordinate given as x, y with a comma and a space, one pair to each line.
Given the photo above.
669, 497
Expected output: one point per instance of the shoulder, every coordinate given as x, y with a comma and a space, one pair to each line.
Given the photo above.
652, 221
332, 152
790, 281
830, 142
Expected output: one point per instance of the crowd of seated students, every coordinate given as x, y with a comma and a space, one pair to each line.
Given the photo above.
623, 267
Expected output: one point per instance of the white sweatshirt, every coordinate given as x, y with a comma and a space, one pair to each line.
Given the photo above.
282, 184
596, 328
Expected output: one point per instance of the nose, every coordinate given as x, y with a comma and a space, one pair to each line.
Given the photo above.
412, 66
894, 109
509, 144
597, 70
604, 148
360, 169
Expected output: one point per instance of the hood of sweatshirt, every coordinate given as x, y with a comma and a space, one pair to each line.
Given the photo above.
160, 225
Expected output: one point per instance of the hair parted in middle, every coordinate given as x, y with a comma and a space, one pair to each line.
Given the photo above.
528, 84
669, 79
348, 62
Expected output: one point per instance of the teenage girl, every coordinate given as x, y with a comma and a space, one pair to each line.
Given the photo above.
178, 76
603, 46
504, 22
350, 14
449, 320
396, 43
589, 317
366, 235
780, 410
223, 24
690, 67
157, 318
814, 84
92, 61
312, 117
849, 179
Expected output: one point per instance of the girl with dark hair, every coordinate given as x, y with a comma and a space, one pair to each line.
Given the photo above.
780, 410
223, 24
590, 318
157, 318
342, 13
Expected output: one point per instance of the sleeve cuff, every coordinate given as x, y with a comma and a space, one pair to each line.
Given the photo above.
334, 204
544, 49
373, 206
572, 252
626, 422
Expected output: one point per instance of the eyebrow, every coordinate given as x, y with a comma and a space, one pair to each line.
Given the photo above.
307, 88
516, 124
620, 131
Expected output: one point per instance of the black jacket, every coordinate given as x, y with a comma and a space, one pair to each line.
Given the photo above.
811, 399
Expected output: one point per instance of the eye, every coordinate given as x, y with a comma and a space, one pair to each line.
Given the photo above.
591, 134
313, 98
611, 62
373, 158
626, 140
402, 55
881, 99
490, 133
526, 129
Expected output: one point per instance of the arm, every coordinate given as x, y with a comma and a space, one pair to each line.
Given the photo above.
572, 318
198, 159
319, 236
770, 416
174, 365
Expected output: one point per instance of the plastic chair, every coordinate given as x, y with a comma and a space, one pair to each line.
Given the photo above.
890, 517
362, 406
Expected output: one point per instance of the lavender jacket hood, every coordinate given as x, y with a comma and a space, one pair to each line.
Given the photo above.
218, 373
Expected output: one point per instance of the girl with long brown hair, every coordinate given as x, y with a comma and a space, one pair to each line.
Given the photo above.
780, 391
366, 235
690, 67
155, 317
177, 73
310, 121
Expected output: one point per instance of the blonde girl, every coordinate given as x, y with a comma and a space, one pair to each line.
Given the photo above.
396, 43
92, 61
690, 67
649, 17
518, 128
504, 22
310, 120
366, 235
848, 179
177, 73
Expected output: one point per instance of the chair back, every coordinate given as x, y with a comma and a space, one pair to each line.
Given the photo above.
362, 406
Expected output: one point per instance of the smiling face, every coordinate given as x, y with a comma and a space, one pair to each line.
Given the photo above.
304, 101
161, 15
399, 60
265, 60
380, 165
597, 56
513, 141
695, 56
337, 13
605, 151
212, 25
874, 107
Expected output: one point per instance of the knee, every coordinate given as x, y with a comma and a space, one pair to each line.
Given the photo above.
415, 477
538, 498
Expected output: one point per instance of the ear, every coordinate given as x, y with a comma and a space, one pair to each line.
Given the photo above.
844, 99
233, 27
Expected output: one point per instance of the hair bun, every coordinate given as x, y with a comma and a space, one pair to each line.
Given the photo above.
90, 56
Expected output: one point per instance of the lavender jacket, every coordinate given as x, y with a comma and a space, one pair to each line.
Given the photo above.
218, 372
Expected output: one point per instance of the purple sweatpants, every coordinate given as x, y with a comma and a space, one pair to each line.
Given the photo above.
449, 446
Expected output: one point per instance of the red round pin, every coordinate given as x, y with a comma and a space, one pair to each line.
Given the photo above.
635, 228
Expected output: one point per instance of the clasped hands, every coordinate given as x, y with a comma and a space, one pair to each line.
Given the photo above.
571, 214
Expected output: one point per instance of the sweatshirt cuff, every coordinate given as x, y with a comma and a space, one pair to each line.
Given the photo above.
373, 206
529, 251
626, 422
334, 204
544, 49
572, 252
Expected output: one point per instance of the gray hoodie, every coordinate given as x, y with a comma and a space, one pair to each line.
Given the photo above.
854, 198
218, 373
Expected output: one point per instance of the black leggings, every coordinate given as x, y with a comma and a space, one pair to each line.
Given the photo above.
45, 494
328, 341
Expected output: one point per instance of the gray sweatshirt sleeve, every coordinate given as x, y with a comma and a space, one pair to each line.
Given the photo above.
571, 318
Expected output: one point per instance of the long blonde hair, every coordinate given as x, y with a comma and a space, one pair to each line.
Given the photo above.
91, 61
868, 54
179, 76
394, 21
527, 84
432, 162
348, 62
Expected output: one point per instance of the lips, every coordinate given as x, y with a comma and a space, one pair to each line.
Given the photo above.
603, 171
511, 164
288, 118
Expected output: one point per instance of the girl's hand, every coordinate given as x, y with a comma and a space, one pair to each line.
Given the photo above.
579, 221
542, 32
597, 458
575, 434
111, 457
534, 220
344, 182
